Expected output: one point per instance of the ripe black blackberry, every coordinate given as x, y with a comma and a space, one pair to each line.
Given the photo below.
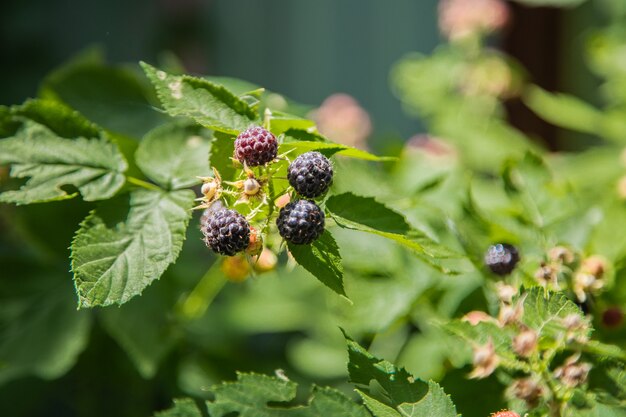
300, 222
256, 146
310, 174
225, 231
501, 258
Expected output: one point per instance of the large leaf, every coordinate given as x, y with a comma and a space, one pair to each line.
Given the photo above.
182, 408
127, 243
366, 211
396, 392
329, 148
323, 260
117, 98
174, 155
60, 156
209, 104
41, 333
365, 214
256, 396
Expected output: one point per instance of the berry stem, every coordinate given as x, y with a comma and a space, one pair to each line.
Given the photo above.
143, 184
200, 298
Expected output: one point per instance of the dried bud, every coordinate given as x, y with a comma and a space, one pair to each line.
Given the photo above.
505, 292
576, 328
547, 276
510, 314
573, 373
561, 254
594, 265
525, 343
475, 317
586, 283
236, 268
251, 186
256, 242
282, 201
528, 390
265, 262
485, 360
505, 413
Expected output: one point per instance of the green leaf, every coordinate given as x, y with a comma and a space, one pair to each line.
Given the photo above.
185, 407
41, 333
545, 313
174, 155
52, 161
127, 243
365, 214
563, 110
222, 150
252, 395
604, 350
322, 259
366, 211
395, 388
209, 104
329, 149
117, 98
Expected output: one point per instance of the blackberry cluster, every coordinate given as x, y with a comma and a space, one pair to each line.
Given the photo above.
225, 231
256, 146
300, 222
310, 174
501, 258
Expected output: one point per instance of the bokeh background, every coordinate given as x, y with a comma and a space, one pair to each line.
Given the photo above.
305, 50
308, 51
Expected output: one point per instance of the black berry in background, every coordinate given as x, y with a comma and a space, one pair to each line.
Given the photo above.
300, 222
256, 146
501, 258
310, 174
225, 231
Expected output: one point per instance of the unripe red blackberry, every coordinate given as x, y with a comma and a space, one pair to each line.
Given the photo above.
225, 231
501, 258
256, 146
300, 222
505, 413
310, 174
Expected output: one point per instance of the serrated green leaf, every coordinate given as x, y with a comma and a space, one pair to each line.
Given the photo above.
480, 334
209, 104
116, 97
368, 212
127, 243
222, 150
545, 313
329, 149
185, 407
41, 333
322, 259
401, 391
251, 395
174, 155
52, 161
365, 214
